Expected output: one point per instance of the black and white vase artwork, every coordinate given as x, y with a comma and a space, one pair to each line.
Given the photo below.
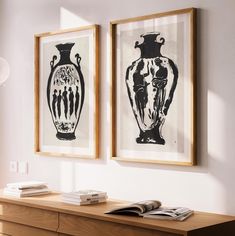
151, 81
65, 92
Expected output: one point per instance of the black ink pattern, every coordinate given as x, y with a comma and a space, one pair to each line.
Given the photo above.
67, 78
149, 88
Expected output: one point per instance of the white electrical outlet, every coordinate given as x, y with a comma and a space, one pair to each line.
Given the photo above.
13, 166
23, 167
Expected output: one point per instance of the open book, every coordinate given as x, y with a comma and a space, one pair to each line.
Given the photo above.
152, 209
169, 213
138, 208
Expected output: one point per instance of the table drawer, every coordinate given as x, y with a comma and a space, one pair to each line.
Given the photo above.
29, 216
80, 226
14, 229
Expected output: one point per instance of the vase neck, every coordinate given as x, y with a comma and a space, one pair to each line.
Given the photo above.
64, 58
65, 50
150, 47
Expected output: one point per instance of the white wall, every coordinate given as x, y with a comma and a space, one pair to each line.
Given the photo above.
208, 187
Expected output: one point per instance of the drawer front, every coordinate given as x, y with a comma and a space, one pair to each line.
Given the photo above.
80, 226
29, 216
13, 229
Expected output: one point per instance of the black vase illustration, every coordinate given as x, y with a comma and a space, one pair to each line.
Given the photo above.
151, 81
65, 92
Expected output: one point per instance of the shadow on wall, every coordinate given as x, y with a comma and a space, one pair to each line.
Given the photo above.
219, 84
71, 17
208, 162
210, 78
214, 66
216, 88
77, 17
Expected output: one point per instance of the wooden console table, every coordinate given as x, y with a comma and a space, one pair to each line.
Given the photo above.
48, 216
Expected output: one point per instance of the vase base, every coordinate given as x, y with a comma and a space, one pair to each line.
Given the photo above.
150, 140
151, 136
66, 136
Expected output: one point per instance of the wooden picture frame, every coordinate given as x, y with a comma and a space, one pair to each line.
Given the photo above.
153, 89
66, 93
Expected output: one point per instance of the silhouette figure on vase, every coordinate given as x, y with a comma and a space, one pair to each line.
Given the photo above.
54, 100
140, 88
65, 100
76, 101
71, 101
59, 104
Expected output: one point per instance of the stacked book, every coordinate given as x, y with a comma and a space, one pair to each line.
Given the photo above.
84, 197
26, 189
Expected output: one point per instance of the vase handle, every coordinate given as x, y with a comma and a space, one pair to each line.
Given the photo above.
53, 61
78, 59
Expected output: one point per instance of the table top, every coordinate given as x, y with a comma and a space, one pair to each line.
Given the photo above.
53, 202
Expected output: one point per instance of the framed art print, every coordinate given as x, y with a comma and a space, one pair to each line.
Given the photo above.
66, 93
153, 88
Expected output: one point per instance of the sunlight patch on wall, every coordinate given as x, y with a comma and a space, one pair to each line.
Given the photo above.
71, 20
108, 73
217, 152
67, 176
108, 101
216, 118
